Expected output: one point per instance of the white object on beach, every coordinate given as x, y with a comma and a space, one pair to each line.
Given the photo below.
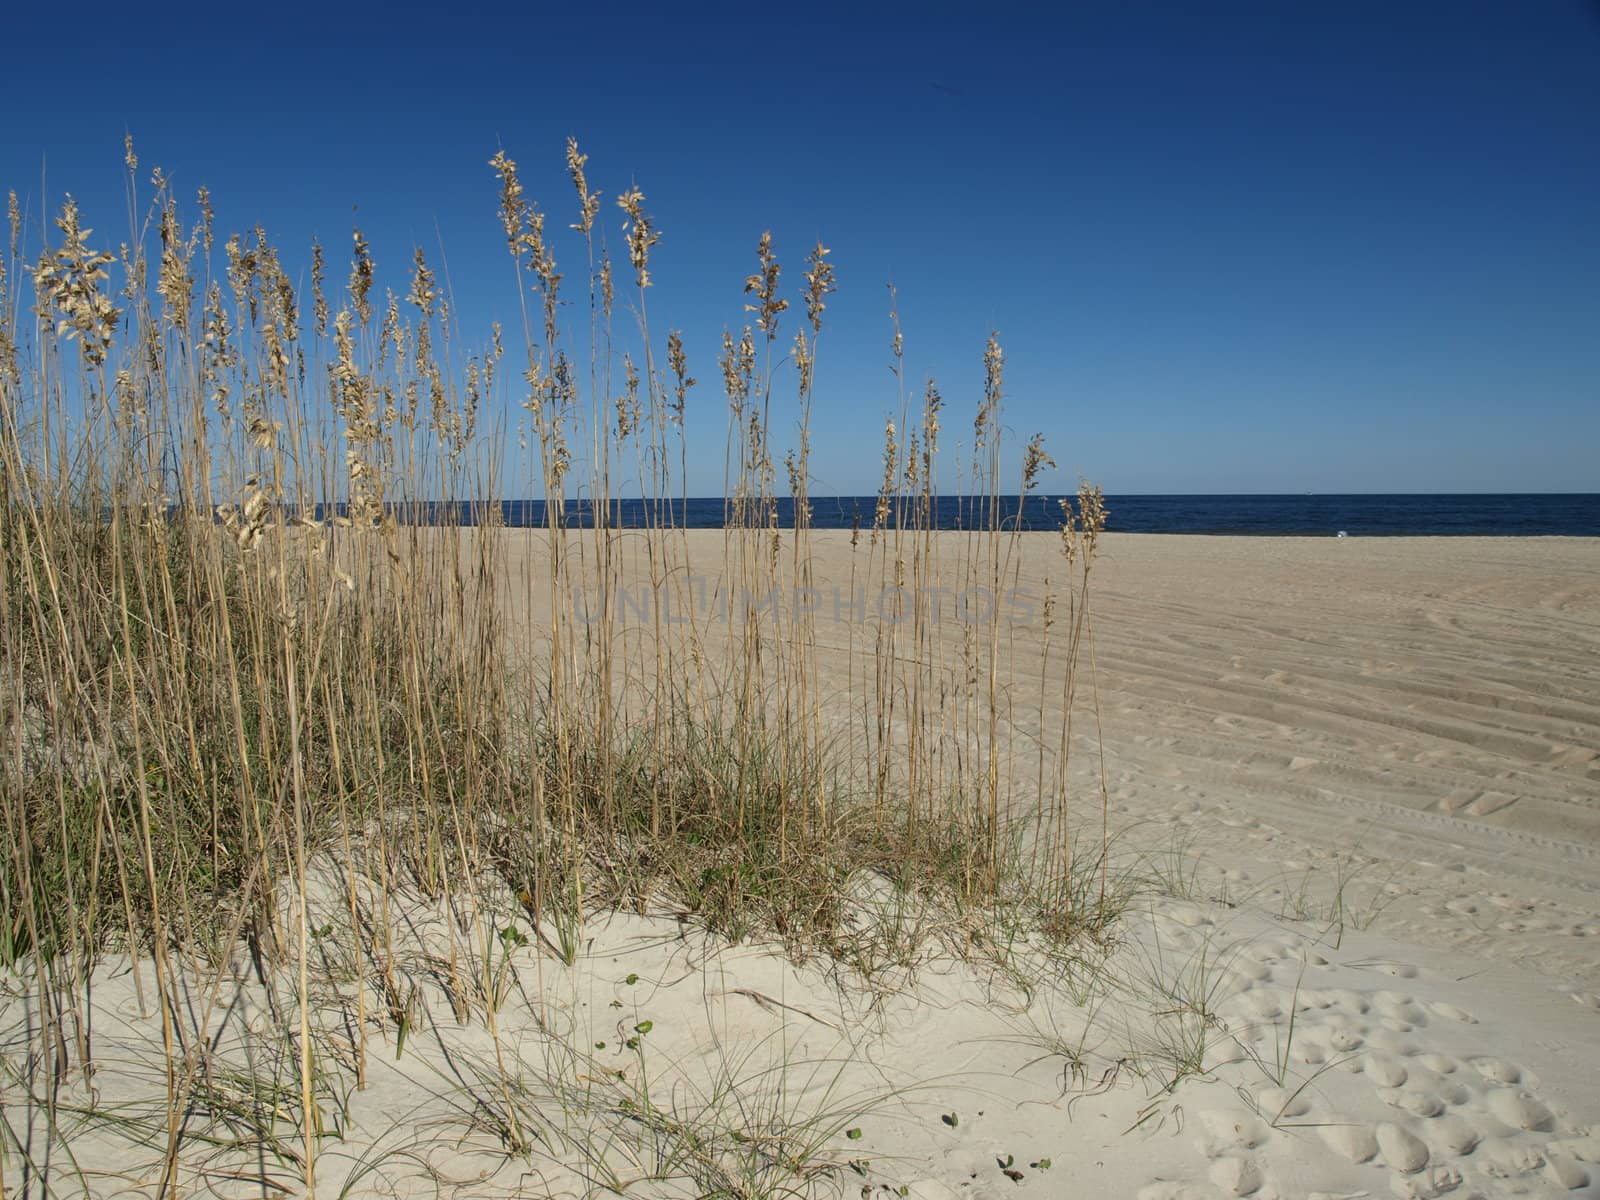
1341, 533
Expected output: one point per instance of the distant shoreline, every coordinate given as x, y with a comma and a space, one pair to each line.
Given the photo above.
1356, 515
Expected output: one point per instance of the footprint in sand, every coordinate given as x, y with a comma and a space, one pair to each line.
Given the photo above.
1452, 1135
1277, 1103
1520, 1110
1497, 1070
1265, 952
1417, 1103
1228, 1129
1262, 1003
1563, 1172
1505, 1158
1384, 1070
1451, 1013
1430, 1184
1247, 969
1306, 955
1355, 1143
1236, 1176
1391, 1041
1400, 1008
1345, 1040
1355, 1003
1401, 1149
1425, 1079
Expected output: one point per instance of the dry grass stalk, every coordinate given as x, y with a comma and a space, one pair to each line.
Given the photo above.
257, 605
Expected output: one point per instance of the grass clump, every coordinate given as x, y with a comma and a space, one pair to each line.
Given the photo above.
260, 608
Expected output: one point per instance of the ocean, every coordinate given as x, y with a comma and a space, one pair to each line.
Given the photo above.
1360, 515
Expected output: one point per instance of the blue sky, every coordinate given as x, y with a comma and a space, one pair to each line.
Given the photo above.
1228, 247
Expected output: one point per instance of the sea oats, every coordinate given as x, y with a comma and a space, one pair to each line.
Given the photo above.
887, 490
319, 301
361, 277
897, 344
70, 282
682, 380
804, 360
1034, 460
640, 233
1092, 513
984, 425
628, 402
820, 284
391, 334
607, 290
207, 220
513, 206
763, 285
932, 404
588, 202
9, 365
174, 280
424, 733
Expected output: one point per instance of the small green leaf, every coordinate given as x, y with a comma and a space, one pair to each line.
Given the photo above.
644, 1027
599, 1045
951, 1119
632, 979
1042, 1165
853, 1134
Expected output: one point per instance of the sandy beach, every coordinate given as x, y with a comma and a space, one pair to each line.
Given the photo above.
1431, 704
1360, 783
1367, 774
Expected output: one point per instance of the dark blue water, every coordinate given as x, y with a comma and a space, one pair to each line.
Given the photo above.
1566, 515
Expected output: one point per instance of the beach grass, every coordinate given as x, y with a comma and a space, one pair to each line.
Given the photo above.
265, 680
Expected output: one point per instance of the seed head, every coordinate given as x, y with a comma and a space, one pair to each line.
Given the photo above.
71, 281
513, 208
319, 300
820, 285
763, 285
680, 372
361, 278
1034, 460
588, 202
640, 232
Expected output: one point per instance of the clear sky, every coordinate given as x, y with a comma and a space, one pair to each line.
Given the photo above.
1229, 247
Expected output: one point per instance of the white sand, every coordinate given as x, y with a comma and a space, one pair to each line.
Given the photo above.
1369, 771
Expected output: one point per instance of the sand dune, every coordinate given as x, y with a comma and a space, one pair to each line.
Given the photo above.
1361, 781
1416, 717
